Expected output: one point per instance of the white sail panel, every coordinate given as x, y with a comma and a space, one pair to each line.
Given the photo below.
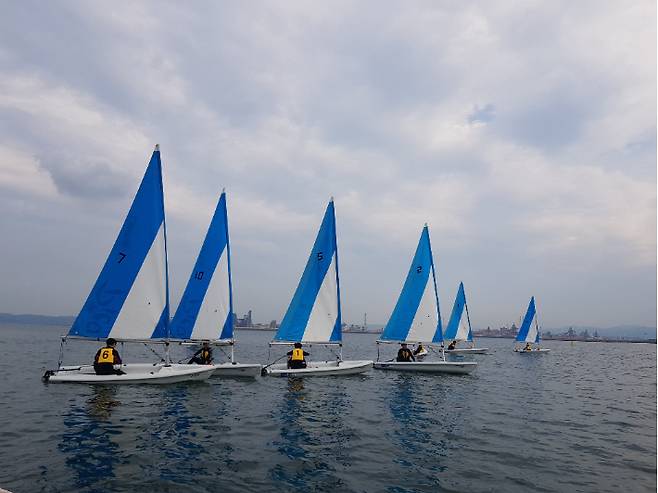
463, 328
324, 314
147, 298
426, 319
532, 331
216, 303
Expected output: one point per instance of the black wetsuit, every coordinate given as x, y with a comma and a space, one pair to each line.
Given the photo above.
106, 368
405, 355
202, 357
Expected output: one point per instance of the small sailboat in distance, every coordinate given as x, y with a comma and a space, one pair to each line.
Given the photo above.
130, 299
205, 312
459, 327
313, 316
416, 317
529, 333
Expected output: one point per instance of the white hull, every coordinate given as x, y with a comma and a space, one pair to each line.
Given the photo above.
250, 370
468, 350
137, 373
534, 351
320, 368
428, 366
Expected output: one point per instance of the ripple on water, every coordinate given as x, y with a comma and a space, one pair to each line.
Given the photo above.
582, 418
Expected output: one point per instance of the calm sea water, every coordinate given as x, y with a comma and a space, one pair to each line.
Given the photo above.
582, 418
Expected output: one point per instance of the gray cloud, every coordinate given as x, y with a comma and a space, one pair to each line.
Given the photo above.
86, 178
524, 134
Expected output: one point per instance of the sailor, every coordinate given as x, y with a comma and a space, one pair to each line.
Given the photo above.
528, 347
296, 357
452, 345
420, 352
405, 354
106, 358
203, 356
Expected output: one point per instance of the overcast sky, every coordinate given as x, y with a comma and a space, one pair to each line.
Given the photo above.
523, 132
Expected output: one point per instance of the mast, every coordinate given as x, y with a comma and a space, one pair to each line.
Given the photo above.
468, 318
339, 318
167, 357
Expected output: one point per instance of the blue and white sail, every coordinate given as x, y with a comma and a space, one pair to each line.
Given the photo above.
205, 311
130, 299
416, 317
529, 331
314, 312
459, 326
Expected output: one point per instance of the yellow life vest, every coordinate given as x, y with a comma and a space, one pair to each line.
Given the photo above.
106, 355
297, 355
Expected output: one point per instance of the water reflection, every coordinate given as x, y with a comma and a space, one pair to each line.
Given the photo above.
172, 441
408, 409
314, 435
92, 455
423, 420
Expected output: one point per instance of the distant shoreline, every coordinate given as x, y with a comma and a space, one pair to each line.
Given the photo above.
575, 339
67, 321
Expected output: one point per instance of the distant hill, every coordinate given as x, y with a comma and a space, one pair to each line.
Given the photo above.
28, 319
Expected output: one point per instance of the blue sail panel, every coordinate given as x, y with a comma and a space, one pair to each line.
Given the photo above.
205, 310
527, 322
130, 298
458, 326
314, 312
416, 315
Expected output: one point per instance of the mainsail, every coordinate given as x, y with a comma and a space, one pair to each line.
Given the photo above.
459, 326
130, 299
314, 312
205, 311
529, 331
416, 317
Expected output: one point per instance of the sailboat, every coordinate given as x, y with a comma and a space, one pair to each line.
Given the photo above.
313, 316
205, 312
529, 332
416, 317
130, 299
459, 327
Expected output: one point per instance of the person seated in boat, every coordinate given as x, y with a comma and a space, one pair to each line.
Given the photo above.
106, 358
420, 351
203, 356
452, 345
297, 357
405, 355
528, 347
